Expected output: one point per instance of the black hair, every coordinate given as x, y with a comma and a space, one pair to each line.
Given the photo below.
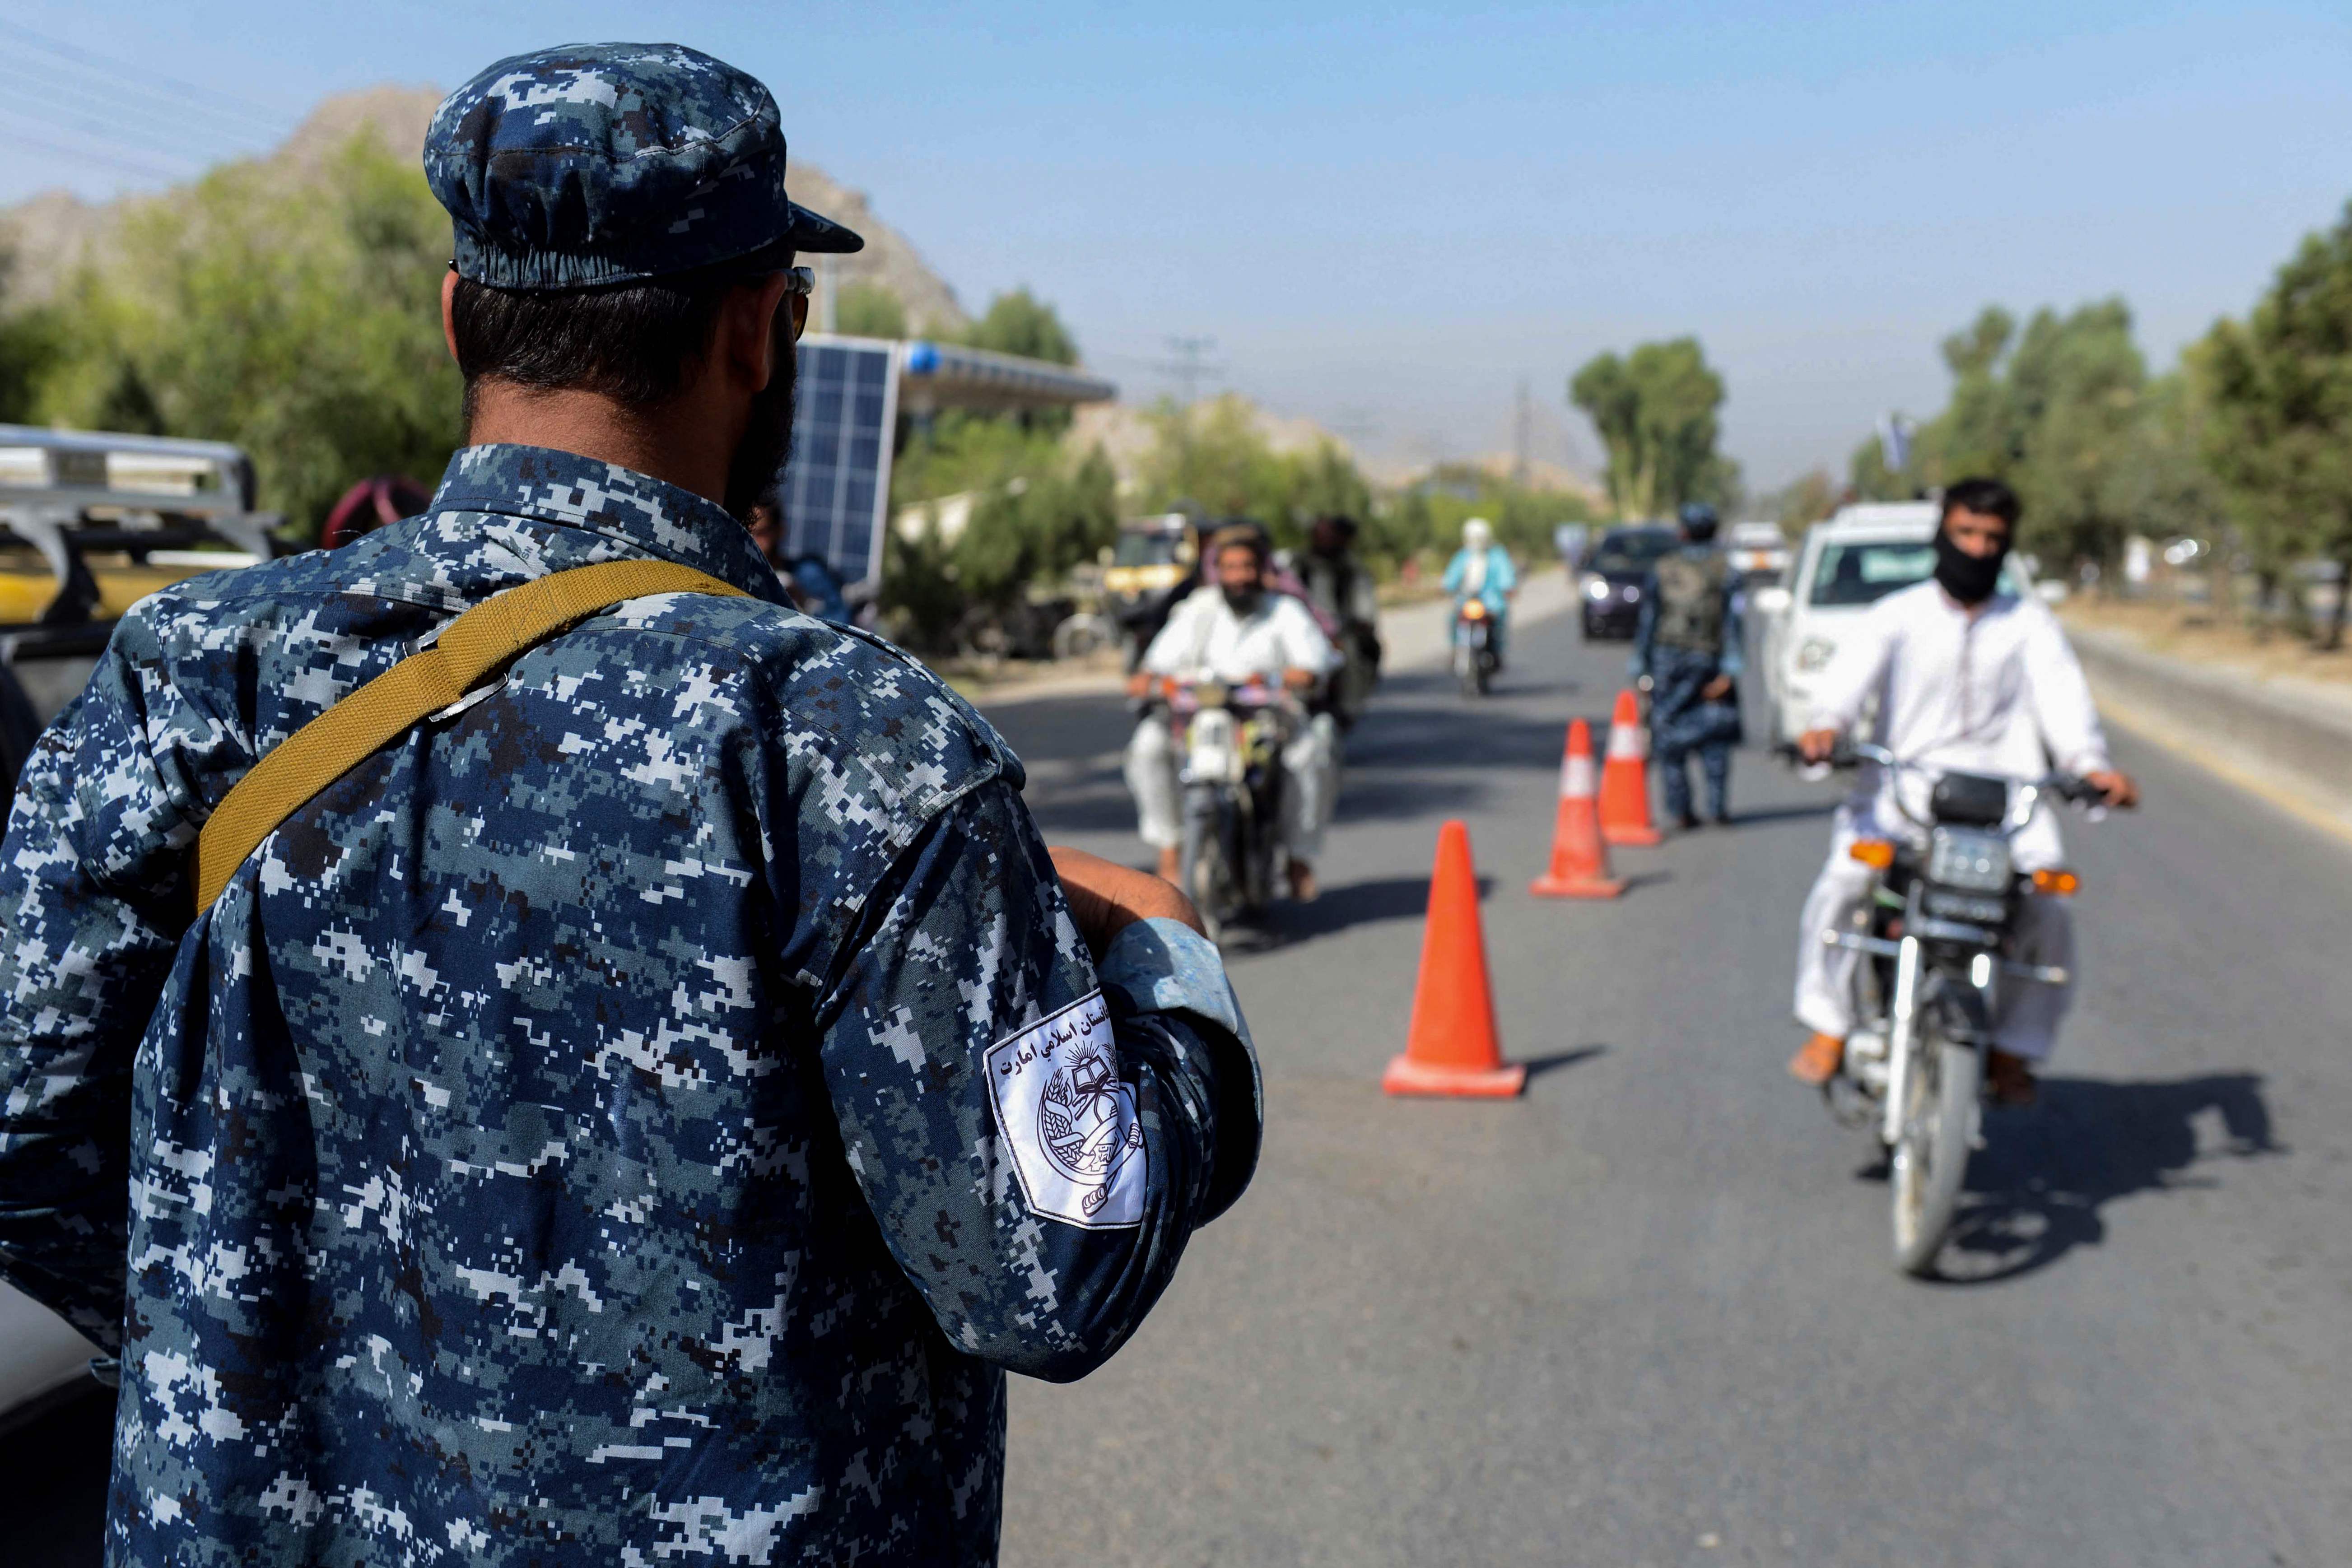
635, 343
1990, 496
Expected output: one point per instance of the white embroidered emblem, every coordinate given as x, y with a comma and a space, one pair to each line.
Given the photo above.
1069, 1121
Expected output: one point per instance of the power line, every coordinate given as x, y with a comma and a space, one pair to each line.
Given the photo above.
64, 97
119, 74
143, 170
1190, 365
120, 139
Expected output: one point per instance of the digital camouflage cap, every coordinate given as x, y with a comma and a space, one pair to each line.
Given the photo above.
597, 164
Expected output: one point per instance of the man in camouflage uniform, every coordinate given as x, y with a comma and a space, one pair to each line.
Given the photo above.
1687, 652
638, 1114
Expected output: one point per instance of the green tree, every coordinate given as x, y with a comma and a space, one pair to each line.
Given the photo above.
1655, 410
1038, 510
2060, 410
869, 310
1802, 501
304, 324
2278, 392
1021, 323
29, 347
1215, 457
2075, 383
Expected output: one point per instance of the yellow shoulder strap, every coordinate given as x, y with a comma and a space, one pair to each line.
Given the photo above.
484, 639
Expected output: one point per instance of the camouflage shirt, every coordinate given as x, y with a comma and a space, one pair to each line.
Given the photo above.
635, 1117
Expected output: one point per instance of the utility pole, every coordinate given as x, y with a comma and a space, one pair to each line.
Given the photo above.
1522, 430
1190, 364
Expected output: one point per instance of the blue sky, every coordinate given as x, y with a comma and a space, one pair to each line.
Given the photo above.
1388, 217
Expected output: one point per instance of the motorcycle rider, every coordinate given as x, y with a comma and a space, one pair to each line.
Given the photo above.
1688, 651
1481, 569
1236, 631
1969, 677
1340, 587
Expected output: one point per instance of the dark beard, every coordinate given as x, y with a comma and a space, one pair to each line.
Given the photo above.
758, 465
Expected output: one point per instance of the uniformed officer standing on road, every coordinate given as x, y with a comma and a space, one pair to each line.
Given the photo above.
638, 1113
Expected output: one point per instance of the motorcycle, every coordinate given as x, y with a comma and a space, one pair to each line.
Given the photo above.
1938, 936
1228, 749
1474, 646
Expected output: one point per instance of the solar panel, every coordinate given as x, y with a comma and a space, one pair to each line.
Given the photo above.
836, 484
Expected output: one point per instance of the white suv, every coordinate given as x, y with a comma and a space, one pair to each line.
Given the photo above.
1845, 565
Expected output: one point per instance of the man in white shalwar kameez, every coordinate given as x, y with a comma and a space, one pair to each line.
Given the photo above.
1968, 677
1235, 630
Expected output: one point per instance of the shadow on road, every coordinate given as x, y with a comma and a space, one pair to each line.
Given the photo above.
1538, 1066
2034, 1191
1758, 818
1354, 904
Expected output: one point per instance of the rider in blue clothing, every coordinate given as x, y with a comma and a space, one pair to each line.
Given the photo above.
1482, 570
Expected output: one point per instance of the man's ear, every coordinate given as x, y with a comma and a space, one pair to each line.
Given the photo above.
747, 330
449, 311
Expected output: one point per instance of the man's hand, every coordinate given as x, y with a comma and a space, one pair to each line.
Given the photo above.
1299, 679
1139, 685
1107, 898
1716, 690
1815, 745
2117, 788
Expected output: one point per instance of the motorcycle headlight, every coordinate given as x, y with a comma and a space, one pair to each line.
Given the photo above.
1968, 861
1815, 653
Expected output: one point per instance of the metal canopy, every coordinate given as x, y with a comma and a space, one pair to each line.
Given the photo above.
935, 376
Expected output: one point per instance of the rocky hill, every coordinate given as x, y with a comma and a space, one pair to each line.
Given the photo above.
54, 233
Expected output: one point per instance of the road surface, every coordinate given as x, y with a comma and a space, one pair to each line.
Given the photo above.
1647, 1315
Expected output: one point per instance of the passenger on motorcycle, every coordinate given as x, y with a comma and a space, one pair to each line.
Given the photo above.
1235, 632
1341, 589
1969, 677
1482, 570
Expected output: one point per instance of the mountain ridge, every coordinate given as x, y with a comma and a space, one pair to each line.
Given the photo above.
51, 234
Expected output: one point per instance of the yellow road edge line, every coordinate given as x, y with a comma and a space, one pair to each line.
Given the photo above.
2200, 753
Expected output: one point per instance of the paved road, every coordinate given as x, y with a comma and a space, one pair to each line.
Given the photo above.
1645, 1315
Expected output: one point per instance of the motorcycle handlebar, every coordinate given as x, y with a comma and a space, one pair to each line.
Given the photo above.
1848, 754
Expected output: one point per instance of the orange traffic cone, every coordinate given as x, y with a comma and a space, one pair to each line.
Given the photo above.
1625, 780
1452, 1049
1579, 865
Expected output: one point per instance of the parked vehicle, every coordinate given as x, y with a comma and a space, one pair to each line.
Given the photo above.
1844, 565
1474, 646
1938, 939
90, 523
1229, 741
1156, 562
1758, 553
1611, 593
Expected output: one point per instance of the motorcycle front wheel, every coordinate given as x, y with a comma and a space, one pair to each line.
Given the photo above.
1928, 1164
1209, 876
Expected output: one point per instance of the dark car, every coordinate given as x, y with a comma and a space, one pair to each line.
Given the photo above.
1611, 592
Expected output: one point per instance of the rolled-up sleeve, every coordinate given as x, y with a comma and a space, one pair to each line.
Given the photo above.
1037, 1140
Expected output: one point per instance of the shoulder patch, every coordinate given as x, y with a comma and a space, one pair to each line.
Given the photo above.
1068, 1119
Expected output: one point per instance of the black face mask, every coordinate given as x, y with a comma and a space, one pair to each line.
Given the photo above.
1969, 578
1244, 601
